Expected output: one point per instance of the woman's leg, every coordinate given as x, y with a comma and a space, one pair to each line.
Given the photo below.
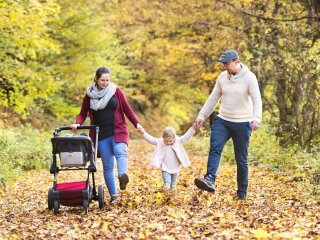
120, 152
106, 152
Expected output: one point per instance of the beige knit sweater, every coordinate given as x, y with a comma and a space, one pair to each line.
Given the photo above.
239, 95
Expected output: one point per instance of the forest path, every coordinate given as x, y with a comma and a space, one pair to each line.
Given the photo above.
275, 207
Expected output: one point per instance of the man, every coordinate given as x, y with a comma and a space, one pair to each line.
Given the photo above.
240, 113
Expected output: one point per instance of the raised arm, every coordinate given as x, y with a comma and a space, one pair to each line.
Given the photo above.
188, 135
149, 138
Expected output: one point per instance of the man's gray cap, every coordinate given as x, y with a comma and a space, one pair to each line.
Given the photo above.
228, 56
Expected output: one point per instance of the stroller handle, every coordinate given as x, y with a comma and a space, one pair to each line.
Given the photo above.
79, 127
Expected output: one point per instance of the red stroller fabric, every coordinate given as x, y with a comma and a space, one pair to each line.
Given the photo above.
70, 194
72, 186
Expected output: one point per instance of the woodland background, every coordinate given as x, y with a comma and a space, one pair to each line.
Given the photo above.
163, 54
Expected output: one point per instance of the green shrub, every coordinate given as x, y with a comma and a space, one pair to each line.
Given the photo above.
23, 149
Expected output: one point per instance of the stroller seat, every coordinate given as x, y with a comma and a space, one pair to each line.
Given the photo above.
74, 151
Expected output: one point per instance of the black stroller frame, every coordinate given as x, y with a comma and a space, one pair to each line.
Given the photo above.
74, 152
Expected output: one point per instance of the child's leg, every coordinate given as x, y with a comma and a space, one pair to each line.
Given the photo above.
166, 179
174, 178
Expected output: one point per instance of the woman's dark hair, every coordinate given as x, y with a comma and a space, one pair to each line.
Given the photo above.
100, 71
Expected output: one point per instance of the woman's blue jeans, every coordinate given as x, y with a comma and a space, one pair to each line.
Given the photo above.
109, 149
221, 132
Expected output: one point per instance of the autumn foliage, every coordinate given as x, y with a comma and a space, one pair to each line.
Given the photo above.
163, 54
276, 208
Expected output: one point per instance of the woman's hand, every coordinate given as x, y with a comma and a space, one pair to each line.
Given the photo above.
74, 126
140, 129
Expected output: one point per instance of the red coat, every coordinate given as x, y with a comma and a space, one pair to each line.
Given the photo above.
121, 133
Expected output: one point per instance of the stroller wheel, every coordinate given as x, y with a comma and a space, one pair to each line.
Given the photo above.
85, 205
50, 198
101, 196
56, 207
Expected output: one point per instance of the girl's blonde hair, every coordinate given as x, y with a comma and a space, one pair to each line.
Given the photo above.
169, 132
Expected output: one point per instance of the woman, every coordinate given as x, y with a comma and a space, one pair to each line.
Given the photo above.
107, 107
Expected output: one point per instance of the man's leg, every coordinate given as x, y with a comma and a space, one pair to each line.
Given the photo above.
241, 133
219, 136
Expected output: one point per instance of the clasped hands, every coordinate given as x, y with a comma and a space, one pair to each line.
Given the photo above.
198, 123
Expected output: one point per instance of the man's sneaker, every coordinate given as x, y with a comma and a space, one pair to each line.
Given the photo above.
113, 200
242, 196
204, 184
124, 179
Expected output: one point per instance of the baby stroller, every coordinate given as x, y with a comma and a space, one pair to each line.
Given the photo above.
74, 154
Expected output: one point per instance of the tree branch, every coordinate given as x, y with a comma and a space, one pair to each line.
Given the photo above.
268, 18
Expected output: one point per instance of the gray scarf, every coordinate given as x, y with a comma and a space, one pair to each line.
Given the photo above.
100, 99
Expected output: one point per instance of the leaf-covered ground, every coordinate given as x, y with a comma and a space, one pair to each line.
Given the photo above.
276, 208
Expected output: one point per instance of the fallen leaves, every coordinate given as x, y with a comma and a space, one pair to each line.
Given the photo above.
273, 209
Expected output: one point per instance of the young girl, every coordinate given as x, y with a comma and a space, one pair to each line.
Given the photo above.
169, 154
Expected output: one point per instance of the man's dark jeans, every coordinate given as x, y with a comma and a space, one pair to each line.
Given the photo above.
221, 132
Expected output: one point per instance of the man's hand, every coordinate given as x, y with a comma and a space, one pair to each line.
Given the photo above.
254, 125
198, 123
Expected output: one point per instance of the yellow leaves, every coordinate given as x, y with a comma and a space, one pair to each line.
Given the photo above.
141, 235
137, 199
146, 213
309, 42
247, 2
105, 227
12, 16
96, 224
260, 233
159, 197
267, 31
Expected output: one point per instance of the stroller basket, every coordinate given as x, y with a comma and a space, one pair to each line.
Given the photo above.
71, 193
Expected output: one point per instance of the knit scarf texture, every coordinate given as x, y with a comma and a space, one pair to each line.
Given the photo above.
100, 98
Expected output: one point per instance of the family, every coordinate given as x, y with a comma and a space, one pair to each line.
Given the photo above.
240, 113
